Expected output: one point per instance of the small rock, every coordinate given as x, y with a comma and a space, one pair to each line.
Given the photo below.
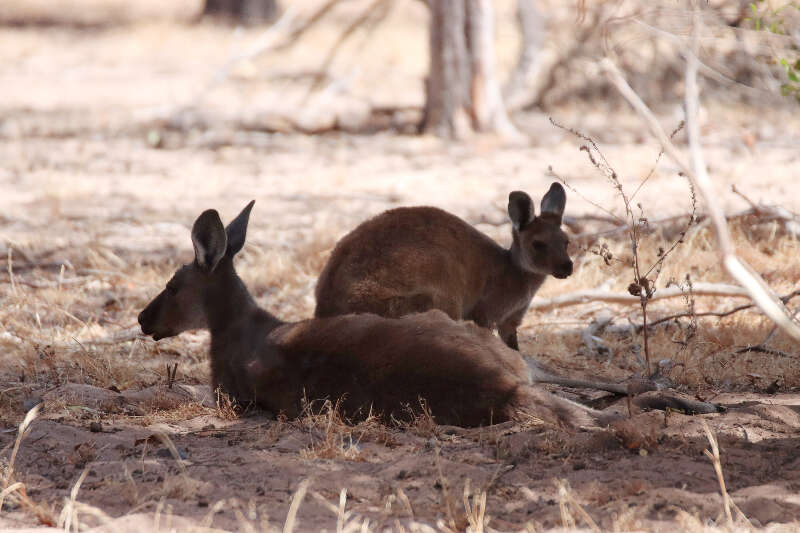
96, 427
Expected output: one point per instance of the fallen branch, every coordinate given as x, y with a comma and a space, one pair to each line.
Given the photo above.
663, 400
644, 393
584, 297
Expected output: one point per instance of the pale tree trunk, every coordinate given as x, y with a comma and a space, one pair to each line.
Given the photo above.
462, 79
446, 90
488, 112
517, 93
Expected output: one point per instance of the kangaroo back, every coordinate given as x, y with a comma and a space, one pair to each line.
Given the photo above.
403, 261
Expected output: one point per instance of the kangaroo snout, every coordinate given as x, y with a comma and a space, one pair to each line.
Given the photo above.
147, 324
564, 270
143, 322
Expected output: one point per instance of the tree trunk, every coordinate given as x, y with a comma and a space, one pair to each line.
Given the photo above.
488, 112
244, 10
531, 25
446, 91
461, 79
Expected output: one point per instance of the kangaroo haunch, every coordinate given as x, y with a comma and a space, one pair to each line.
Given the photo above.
462, 373
413, 259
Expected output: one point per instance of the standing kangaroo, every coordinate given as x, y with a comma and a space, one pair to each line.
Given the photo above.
413, 259
465, 375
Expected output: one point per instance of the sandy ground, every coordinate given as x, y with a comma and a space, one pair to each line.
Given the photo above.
98, 190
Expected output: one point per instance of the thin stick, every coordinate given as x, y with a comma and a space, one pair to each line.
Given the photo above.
589, 296
658, 158
297, 499
614, 218
756, 288
11, 271
721, 314
715, 460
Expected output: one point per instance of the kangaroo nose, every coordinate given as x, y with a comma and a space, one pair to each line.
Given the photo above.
563, 270
142, 320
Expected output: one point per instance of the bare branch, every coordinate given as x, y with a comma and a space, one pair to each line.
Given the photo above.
721, 314
584, 297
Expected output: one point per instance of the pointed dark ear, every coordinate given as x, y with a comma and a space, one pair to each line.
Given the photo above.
554, 201
209, 240
237, 230
520, 209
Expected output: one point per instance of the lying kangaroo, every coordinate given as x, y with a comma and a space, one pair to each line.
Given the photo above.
413, 259
465, 374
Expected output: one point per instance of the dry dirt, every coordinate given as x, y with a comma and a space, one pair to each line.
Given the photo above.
102, 176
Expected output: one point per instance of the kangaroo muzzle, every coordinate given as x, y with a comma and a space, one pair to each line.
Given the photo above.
563, 270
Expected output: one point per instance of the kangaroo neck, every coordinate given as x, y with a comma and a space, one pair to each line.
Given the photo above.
513, 266
228, 301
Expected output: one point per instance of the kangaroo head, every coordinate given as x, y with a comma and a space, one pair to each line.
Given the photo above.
181, 306
540, 245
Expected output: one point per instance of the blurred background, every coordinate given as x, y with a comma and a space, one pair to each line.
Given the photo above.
311, 66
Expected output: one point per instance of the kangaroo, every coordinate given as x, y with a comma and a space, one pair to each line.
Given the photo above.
368, 363
413, 259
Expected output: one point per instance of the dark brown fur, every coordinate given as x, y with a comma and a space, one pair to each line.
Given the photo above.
464, 374
413, 259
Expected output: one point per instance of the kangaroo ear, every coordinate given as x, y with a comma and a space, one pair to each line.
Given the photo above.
209, 240
520, 209
554, 201
237, 230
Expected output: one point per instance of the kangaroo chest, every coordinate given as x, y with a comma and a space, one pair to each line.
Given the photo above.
503, 299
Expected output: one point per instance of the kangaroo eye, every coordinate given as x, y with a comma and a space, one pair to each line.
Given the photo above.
539, 246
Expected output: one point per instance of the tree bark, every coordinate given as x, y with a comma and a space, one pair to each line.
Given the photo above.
462, 81
446, 93
531, 25
488, 112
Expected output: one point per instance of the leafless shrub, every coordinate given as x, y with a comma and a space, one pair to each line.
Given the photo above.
644, 278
